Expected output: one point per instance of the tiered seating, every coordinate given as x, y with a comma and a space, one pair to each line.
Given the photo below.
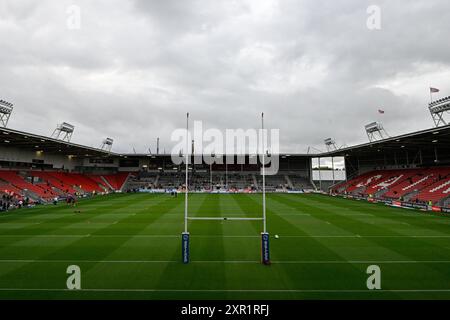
68, 181
171, 180
17, 181
47, 189
389, 180
52, 184
273, 182
81, 181
421, 184
99, 181
362, 181
299, 182
418, 181
8, 188
439, 190
116, 180
53, 178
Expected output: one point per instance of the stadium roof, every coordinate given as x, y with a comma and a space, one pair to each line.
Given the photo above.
426, 139
29, 141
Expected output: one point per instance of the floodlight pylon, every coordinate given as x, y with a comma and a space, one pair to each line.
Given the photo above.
63, 132
107, 144
437, 110
330, 144
6, 109
375, 131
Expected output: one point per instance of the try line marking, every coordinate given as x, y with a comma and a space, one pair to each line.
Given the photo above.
232, 290
210, 236
230, 261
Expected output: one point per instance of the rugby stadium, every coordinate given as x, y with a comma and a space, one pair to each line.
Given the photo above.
253, 159
120, 219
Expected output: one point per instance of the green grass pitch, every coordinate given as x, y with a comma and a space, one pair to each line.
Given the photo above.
128, 246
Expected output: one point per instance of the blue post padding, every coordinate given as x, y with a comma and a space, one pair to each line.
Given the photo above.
265, 252
185, 247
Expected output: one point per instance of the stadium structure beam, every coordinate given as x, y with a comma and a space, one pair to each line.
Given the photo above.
320, 175
6, 109
63, 132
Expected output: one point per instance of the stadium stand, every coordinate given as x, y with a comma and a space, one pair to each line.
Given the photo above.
100, 182
296, 182
46, 185
53, 179
116, 181
416, 185
438, 191
19, 185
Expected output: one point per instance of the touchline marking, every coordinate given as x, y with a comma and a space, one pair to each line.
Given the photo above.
231, 290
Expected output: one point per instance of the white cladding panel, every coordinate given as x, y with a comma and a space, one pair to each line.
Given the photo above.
327, 175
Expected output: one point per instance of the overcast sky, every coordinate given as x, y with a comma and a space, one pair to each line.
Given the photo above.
134, 68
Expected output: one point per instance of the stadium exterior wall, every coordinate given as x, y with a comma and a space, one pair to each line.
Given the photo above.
16, 154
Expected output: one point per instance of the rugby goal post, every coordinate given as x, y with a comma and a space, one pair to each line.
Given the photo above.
185, 236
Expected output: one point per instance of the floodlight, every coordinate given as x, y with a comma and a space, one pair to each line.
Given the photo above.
63, 132
375, 131
6, 109
330, 144
107, 144
437, 109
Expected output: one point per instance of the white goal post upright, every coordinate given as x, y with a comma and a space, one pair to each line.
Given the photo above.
187, 175
263, 173
265, 253
185, 236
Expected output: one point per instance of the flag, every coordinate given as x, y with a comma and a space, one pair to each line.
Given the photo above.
434, 90
380, 111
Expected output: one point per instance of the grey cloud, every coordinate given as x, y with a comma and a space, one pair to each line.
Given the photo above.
136, 67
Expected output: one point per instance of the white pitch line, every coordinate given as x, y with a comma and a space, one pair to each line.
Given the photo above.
215, 236
229, 261
223, 218
235, 290
293, 214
